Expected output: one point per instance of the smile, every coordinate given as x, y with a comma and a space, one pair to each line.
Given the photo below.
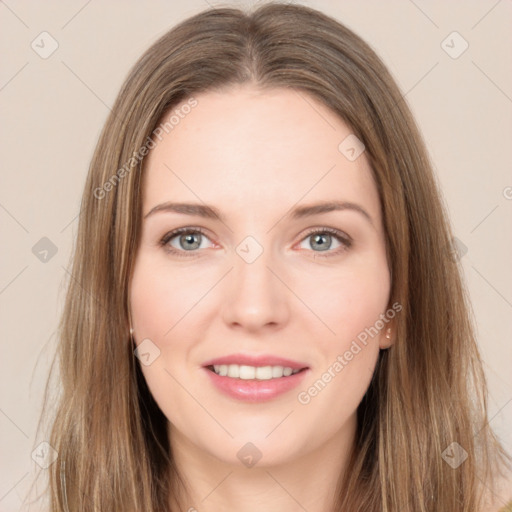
254, 378
245, 372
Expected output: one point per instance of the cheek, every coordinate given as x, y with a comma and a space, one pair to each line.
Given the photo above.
351, 307
160, 300
351, 302
163, 301
160, 297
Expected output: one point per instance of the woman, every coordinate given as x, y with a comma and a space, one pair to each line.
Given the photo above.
266, 311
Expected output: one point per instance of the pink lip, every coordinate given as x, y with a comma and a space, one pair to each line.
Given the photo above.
260, 360
254, 390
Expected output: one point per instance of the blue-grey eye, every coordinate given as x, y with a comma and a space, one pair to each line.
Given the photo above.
187, 240
321, 241
190, 241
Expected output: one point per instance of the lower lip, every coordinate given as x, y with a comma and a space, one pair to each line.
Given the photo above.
255, 390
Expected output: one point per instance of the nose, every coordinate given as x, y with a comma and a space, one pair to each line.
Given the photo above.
255, 297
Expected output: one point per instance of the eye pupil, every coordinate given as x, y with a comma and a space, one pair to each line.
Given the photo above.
317, 240
187, 241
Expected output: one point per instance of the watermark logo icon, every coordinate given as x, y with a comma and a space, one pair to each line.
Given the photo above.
351, 147
44, 250
457, 248
45, 45
147, 352
249, 249
454, 455
454, 45
249, 455
44, 455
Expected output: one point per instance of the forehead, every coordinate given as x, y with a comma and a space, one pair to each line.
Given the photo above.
251, 151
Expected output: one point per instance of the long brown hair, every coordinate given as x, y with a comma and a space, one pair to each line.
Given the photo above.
428, 389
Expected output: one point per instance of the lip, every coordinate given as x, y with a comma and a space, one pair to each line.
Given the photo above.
257, 360
254, 390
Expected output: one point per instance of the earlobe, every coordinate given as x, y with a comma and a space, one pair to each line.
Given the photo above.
132, 337
387, 339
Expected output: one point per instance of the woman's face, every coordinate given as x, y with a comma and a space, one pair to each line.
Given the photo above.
273, 281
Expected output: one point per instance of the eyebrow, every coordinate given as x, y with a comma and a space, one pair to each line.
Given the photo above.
329, 206
210, 212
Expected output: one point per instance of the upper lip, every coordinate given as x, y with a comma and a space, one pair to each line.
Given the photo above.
256, 360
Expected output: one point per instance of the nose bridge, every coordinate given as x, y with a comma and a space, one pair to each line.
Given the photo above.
255, 297
251, 268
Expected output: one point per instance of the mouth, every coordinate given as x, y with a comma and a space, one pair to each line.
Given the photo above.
254, 378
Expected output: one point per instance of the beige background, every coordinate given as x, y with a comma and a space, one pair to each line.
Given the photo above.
52, 111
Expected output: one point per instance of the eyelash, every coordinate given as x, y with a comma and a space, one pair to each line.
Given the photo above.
345, 240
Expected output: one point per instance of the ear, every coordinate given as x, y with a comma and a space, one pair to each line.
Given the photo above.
387, 335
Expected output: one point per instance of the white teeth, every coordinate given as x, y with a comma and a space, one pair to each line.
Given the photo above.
234, 371
246, 372
277, 371
264, 372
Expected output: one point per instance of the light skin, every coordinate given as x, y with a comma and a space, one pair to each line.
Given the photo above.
255, 156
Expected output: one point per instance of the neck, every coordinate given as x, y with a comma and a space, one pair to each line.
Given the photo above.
306, 480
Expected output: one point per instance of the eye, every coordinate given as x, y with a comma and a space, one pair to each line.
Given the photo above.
188, 240
321, 240
183, 240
